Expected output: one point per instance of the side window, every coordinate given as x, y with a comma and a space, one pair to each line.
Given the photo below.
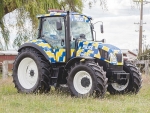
51, 34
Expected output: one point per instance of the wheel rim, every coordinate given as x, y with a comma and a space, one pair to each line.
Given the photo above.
120, 87
82, 82
27, 73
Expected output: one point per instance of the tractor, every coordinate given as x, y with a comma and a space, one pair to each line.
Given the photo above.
66, 54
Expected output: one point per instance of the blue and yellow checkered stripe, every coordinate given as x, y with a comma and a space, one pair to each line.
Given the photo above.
55, 55
85, 48
92, 49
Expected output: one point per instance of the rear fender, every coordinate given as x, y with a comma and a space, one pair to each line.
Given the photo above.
40, 49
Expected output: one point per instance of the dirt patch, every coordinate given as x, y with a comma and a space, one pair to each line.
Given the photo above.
6, 81
146, 79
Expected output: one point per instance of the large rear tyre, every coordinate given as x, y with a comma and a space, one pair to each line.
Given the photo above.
86, 79
133, 84
31, 72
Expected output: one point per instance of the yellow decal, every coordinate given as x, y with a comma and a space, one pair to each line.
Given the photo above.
116, 51
50, 54
47, 15
44, 45
85, 43
59, 54
105, 48
95, 45
97, 55
57, 14
72, 51
34, 41
120, 63
79, 52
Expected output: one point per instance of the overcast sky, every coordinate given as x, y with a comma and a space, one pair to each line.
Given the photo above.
119, 27
118, 20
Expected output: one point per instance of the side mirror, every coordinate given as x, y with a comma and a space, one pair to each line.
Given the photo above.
59, 25
103, 40
82, 36
102, 30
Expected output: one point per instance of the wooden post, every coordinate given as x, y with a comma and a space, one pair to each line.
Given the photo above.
5, 68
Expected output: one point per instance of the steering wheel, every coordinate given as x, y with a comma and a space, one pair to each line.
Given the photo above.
82, 36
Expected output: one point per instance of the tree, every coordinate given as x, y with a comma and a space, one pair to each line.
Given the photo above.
28, 9
146, 53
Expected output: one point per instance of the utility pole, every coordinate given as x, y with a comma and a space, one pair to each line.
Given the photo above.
141, 29
141, 26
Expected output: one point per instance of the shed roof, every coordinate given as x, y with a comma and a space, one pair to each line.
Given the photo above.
128, 51
8, 53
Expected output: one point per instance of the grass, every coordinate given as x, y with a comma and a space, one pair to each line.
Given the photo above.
13, 102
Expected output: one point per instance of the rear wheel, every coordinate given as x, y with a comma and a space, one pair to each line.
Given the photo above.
87, 78
133, 84
31, 72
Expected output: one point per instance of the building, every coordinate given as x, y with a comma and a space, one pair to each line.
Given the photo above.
127, 54
7, 56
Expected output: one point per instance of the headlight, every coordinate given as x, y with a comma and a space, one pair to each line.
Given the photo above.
113, 58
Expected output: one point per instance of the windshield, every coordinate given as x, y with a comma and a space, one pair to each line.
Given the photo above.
80, 27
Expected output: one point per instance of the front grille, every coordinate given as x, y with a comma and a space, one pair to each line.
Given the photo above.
119, 57
104, 54
115, 67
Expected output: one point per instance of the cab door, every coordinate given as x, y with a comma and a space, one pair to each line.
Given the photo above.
53, 32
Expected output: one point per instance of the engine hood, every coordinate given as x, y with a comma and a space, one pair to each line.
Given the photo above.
101, 51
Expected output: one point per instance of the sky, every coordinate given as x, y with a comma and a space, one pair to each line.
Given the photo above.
118, 21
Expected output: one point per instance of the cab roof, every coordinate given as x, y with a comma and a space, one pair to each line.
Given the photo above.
57, 13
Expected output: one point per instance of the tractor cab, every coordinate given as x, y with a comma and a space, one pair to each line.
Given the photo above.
54, 27
62, 30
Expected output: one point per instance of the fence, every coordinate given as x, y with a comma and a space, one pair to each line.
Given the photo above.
144, 65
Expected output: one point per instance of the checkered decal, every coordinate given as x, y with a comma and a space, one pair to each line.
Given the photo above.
92, 49
85, 48
55, 55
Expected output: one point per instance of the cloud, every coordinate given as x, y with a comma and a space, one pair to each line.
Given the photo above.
119, 27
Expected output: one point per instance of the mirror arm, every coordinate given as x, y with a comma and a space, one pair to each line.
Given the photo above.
98, 22
95, 35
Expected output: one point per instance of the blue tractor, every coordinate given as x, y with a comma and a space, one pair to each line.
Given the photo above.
66, 54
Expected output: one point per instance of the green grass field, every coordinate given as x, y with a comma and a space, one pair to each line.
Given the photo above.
13, 102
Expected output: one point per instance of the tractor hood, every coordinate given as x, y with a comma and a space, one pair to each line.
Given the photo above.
105, 52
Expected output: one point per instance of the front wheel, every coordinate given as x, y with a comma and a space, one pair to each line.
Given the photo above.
85, 78
133, 84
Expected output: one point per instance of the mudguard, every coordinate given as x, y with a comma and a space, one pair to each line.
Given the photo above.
76, 59
41, 46
53, 55
33, 46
